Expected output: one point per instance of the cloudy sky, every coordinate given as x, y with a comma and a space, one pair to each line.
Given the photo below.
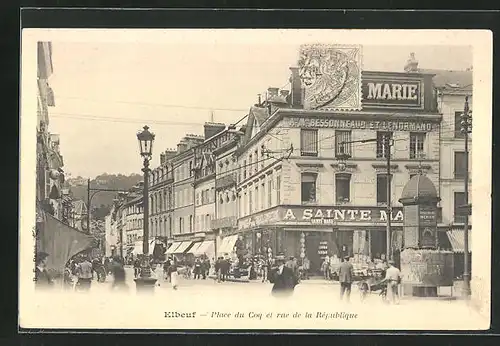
105, 92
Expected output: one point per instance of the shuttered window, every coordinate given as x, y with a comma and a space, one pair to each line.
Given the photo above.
308, 187
381, 143
459, 165
309, 142
341, 137
417, 141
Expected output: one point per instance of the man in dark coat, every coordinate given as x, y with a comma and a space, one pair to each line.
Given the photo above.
118, 271
225, 266
283, 278
42, 277
346, 274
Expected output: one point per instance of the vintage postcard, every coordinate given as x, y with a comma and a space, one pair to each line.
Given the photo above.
255, 179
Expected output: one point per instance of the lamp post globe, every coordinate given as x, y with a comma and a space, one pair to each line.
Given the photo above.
145, 282
146, 139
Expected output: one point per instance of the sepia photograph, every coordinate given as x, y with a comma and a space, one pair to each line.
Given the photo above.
255, 179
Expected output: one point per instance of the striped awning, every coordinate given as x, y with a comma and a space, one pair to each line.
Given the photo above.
456, 238
182, 247
173, 247
207, 247
194, 247
227, 245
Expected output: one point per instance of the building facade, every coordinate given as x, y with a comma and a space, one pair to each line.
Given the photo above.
49, 170
161, 197
226, 209
453, 87
183, 192
302, 202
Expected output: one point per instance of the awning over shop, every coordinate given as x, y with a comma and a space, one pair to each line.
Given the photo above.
456, 238
173, 247
206, 247
182, 247
194, 247
137, 247
227, 245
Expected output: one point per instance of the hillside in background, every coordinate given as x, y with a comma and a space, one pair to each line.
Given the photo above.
102, 201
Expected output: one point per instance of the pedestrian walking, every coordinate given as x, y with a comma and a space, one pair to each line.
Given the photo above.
218, 269
325, 268
346, 274
197, 269
393, 279
283, 279
85, 274
205, 267
166, 270
174, 276
137, 267
118, 272
264, 269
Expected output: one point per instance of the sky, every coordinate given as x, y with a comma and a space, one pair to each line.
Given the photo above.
106, 91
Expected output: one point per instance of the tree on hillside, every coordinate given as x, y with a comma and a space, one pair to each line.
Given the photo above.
102, 201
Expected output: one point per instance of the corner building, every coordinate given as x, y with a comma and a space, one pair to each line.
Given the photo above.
294, 197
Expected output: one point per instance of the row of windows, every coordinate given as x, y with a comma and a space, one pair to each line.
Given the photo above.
161, 227
183, 197
203, 222
205, 197
160, 201
309, 143
133, 224
308, 188
259, 196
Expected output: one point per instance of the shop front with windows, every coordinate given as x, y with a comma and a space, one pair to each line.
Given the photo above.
318, 232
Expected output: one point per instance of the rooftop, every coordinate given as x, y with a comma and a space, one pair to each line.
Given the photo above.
451, 80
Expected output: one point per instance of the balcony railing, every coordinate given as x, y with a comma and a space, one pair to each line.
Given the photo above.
225, 181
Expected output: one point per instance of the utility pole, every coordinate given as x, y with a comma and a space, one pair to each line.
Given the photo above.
387, 150
88, 205
466, 128
90, 196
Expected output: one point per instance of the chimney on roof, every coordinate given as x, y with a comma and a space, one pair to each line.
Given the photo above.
182, 146
169, 154
411, 64
211, 129
296, 88
162, 159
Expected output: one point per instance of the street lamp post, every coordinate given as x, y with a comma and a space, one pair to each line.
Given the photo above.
145, 282
342, 157
466, 128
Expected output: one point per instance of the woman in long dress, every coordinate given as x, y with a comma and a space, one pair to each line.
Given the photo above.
174, 276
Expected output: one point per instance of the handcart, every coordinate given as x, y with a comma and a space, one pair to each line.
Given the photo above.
374, 282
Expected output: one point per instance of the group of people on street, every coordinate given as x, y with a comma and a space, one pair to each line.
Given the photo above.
79, 272
222, 267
